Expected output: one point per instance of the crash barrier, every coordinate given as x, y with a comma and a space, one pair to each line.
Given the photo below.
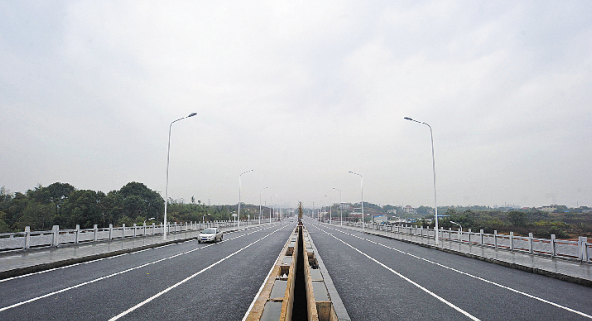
55, 237
295, 288
579, 250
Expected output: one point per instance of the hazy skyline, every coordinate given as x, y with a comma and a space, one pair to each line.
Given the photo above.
301, 93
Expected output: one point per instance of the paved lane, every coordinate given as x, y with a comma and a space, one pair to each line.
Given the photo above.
186, 281
384, 279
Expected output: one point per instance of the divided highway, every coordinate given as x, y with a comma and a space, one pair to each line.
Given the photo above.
185, 281
385, 279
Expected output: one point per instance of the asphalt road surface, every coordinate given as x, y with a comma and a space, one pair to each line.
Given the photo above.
385, 279
185, 281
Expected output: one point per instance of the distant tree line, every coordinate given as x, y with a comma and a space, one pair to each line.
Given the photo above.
521, 222
564, 222
64, 205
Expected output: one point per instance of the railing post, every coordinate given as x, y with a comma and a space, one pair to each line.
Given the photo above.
583, 248
585, 245
481, 236
469, 234
495, 239
153, 228
511, 241
553, 251
110, 231
144, 229
96, 231
530, 243
77, 233
421, 230
459, 235
122, 231
27, 237
135, 230
56, 236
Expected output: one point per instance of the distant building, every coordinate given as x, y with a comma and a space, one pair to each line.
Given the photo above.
410, 210
381, 219
549, 208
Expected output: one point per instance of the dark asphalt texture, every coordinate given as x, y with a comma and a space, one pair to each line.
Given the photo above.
370, 291
222, 292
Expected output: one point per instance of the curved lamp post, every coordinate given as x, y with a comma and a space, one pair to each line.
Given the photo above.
166, 191
340, 207
362, 184
434, 169
260, 203
330, 203
239, 194
453, 222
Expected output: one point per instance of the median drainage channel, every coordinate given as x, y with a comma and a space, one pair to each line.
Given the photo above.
295, 288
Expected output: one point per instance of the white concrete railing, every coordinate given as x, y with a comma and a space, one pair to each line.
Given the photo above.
28, 239
554, 247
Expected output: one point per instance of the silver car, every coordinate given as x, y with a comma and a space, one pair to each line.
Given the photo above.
212, 234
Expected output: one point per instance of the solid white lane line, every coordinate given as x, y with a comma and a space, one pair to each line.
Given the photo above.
441, 299
97, 279
135, 307
478, 278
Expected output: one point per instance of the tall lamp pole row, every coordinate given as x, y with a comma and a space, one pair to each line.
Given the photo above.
239, 194
166, 190
260, 203
434, 169
340, 207
362, 185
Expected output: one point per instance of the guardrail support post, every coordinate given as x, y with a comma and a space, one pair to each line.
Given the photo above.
96, 231
110, 231
511, 241
134, 230
530, 243
495, 239
583, 248
481, 237
469, 234
77, 233
153, 228
27, 237
56, 236
122, 231
553, 251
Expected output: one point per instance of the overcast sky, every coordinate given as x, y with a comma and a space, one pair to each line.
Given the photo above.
301, 92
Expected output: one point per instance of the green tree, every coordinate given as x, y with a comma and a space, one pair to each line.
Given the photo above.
145, 202
82, 207
37, 215
517, 218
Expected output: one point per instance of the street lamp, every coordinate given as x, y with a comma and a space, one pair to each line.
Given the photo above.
330, 205
166, 191
340, 206
260, 203
453, 222
239, 194
434, 169
362, 184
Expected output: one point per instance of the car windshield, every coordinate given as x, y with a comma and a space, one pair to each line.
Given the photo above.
209, 231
